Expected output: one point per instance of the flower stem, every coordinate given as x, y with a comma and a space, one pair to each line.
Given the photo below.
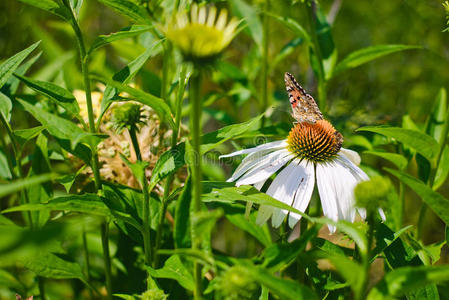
84, 60
86, 259
264, 71
132, 133
366, 258
195, 127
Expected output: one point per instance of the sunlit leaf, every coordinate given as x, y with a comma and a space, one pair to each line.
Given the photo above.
168, 163
5, 106
127, 32
397, 159
443, 169
368, 54
11, 64
437, 202
422, 143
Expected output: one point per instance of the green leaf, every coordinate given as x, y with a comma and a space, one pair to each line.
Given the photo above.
386, 237
53, 266
156, 103
11, 86
435, 123
408, 279
213, 139
60, 95
174, 269
261, 233
245, 193
168, 163
397, 159
54, 7
127, 32
5, 106
283, 288
129, 9
85, 203
60, 127
443, 169
181, 230
422, 143
280, 255
11, 64
326, 43
368, 54
245, 11
291, 24
137, 168
438, 203
20, 184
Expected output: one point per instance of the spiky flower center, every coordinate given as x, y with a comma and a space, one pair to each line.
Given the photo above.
315, 142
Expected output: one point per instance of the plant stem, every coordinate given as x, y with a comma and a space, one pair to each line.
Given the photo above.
264, 71
84, 60
86, 258
40, 283
366, 258
106, 257
169, 181
195, 127
134, 141
311, 18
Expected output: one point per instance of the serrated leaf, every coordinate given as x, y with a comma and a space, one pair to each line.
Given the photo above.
11, 64
60, 95
362, 56
397, 159
437, 202
127, 32
422, 143
129, 9
247, 12
20, 184
174, 269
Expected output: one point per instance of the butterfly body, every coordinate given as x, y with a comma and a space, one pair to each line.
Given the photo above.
304, 107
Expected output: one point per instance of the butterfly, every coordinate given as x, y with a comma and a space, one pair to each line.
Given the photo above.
304, 107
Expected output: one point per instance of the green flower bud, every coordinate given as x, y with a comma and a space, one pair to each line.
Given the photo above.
154, 294
236, 284
373, 193
128, 115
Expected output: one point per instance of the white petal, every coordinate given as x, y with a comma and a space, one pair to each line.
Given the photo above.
259, 185
194, 13
353, 156
382, 214
344, 184
303, 192
328, 198
222, 18
361, 176
202, 15
211, 16
272, 145
362, 212
283, 189
255, 159
259, 174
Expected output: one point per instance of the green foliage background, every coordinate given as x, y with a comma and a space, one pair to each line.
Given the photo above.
402, 90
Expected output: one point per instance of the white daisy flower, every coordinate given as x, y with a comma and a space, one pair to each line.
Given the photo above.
312, 152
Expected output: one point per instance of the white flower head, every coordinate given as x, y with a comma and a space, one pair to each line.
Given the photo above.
311, 153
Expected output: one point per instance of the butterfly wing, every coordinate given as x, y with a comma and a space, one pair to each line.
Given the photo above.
303, 105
